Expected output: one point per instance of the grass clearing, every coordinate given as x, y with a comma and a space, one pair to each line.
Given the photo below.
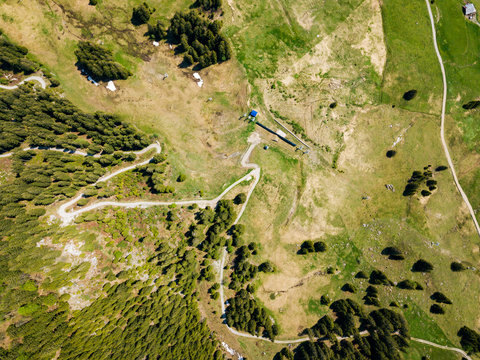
411, 60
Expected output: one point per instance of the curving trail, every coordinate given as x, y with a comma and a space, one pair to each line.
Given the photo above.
39, 79
83, 153
442, 126
460, 351
68, 216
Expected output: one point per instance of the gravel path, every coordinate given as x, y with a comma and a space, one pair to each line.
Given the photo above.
442, 126
460, 351
39, 79
67, 217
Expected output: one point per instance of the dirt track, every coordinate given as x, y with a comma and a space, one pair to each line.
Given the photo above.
442, 126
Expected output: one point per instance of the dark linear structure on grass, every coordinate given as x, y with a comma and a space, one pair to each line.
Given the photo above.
274, 133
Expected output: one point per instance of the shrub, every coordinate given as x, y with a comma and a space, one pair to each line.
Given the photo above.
456, 266
82, 202
391, 153
320, 246
93, 2
409, 285
325, 300
441, 168
379, 278
471, 105
426, 193
409, 95
307, 247
361, 275
410, 189
347, 287
440, 298
437, 309
422, 266
54, 83
391, 250
181, 178
240, 199
266, 267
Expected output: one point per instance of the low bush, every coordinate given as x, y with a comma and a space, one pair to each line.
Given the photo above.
456, 266
422, 266
409, 95
440, 298
437, 309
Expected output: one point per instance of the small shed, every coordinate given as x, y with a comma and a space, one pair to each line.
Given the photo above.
253, 113
469, 11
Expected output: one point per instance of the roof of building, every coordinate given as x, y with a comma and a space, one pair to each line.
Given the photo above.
253, 113
469, 9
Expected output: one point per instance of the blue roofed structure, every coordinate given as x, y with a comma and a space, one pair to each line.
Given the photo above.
253, 113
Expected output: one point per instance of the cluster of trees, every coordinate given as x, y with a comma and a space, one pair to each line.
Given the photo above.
157, 318
417, 179
243, 271
371, 296
309, 246
157, 31
199, 39
219, 221
99, 63
141, 14
469, 339
143, 320
387, 335
245, 314
208, 5
13, 57
155, 174
39, 118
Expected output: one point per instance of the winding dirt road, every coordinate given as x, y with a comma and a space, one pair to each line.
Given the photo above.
67, 217
442, 126
460, 351
39, 79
